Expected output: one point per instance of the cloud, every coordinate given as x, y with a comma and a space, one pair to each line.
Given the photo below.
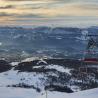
42, 10
4, 14
88, 7
6, 7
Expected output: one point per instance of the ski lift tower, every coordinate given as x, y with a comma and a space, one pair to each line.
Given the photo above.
91, 53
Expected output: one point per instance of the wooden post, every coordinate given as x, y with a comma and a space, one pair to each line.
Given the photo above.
46, 94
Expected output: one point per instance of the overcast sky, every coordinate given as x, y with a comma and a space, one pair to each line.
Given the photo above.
49, 12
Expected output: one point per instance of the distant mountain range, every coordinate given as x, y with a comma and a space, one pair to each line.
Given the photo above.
18, 42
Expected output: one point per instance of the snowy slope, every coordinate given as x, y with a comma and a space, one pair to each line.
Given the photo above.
31, 79
30, 93
82, 94
44, 74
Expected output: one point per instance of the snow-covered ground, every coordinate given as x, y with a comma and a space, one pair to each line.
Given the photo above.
13, 77
38, 81
93, 93
59, 68
30, 93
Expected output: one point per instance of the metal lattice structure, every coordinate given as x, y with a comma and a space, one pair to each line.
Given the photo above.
91, 51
